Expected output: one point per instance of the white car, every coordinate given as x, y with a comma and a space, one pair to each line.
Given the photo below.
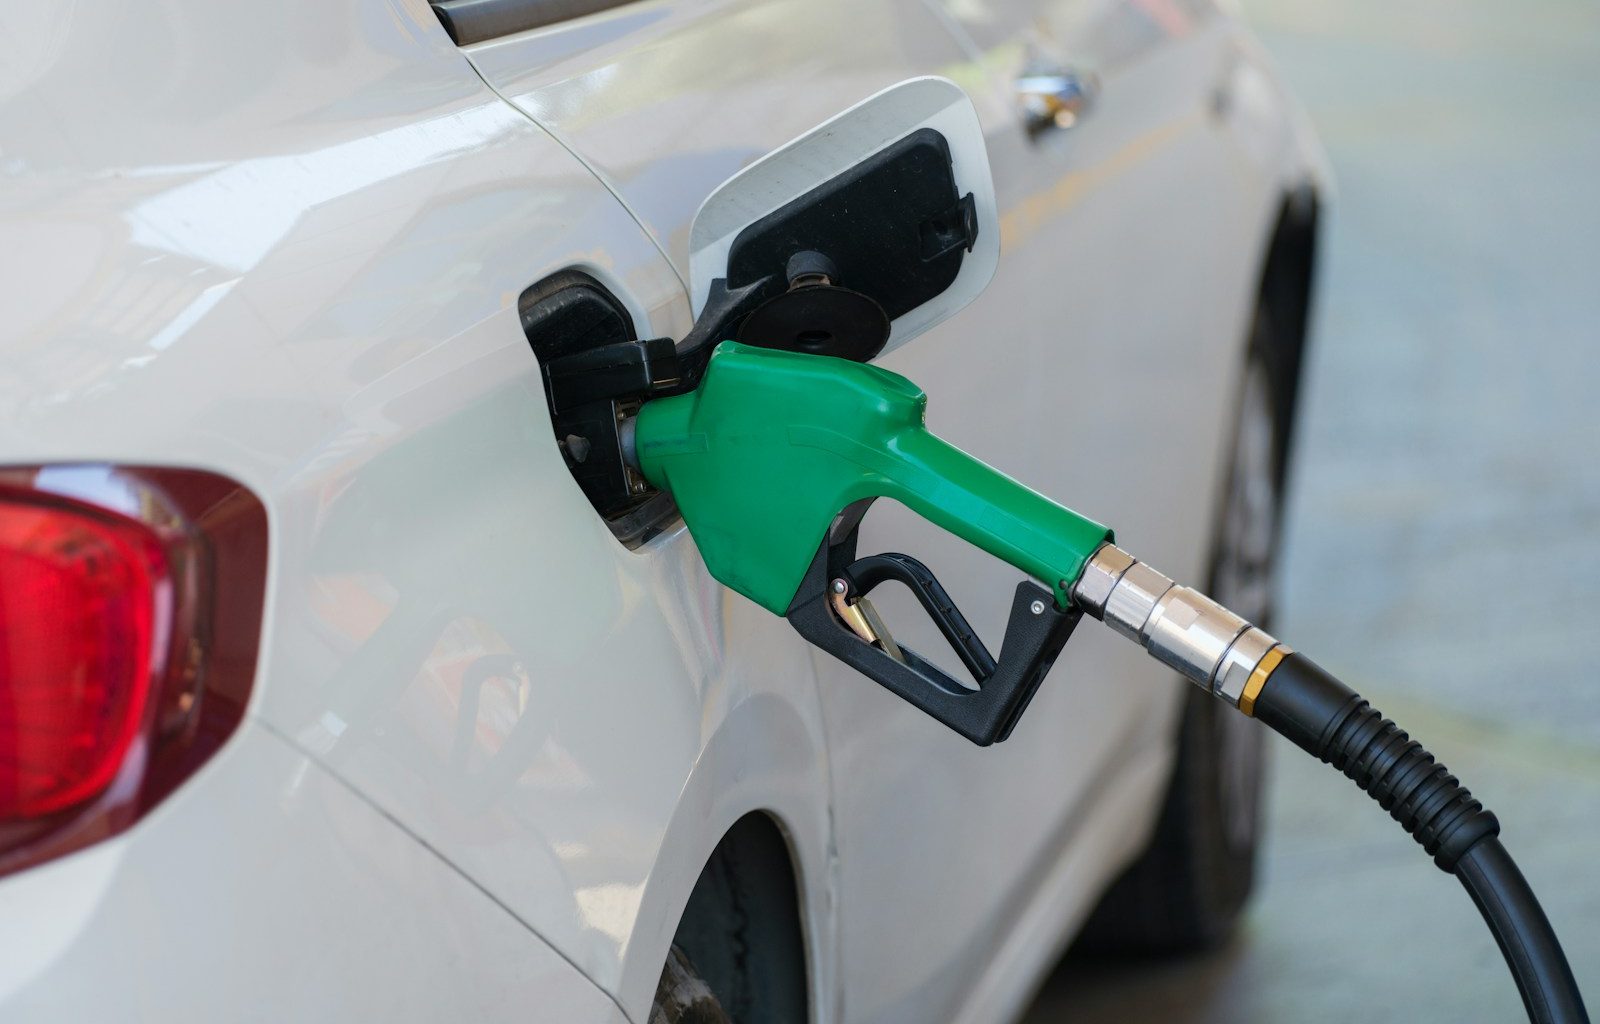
327, 693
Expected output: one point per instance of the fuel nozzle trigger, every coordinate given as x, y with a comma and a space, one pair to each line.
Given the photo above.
1035, 634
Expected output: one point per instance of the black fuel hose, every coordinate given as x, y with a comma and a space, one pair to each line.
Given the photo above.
1251, 670
1333, 723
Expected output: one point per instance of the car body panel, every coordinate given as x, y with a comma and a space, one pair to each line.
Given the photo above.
266, 891
285, 243
315, 293
665, 101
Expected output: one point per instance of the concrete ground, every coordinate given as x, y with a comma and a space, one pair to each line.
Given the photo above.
1443, 545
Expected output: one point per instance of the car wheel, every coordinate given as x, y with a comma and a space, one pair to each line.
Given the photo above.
683, 997
1186, 890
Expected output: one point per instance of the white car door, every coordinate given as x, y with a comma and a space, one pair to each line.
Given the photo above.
1097, 367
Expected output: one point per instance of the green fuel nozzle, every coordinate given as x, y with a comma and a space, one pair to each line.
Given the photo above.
773, 459
772, 446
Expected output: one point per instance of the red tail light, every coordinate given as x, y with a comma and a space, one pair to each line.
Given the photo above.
79, 593
130, 610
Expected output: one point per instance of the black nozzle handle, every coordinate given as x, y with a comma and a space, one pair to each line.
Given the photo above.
1035, 634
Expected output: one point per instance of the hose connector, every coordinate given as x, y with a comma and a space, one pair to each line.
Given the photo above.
1180, 627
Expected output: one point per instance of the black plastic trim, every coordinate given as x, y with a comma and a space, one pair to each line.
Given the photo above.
595, 373
474, 21
894, 224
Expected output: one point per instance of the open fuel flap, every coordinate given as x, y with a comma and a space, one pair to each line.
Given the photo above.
849, 241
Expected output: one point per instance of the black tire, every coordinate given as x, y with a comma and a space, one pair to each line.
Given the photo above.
683, 997
1186, 890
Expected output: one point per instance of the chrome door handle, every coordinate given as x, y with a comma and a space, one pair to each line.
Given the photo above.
1054, 98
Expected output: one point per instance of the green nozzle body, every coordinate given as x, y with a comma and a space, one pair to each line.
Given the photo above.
773, 445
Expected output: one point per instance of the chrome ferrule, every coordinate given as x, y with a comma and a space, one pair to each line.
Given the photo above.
1179, 626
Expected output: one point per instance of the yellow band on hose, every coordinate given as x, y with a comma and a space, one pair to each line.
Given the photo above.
1264, 668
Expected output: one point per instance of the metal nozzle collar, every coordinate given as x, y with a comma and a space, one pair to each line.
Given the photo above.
1179, 626
1105, 568
1190, 632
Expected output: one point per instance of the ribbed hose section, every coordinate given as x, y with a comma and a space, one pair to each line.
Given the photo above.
1332, 722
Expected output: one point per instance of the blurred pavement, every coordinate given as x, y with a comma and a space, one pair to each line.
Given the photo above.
1443, 544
